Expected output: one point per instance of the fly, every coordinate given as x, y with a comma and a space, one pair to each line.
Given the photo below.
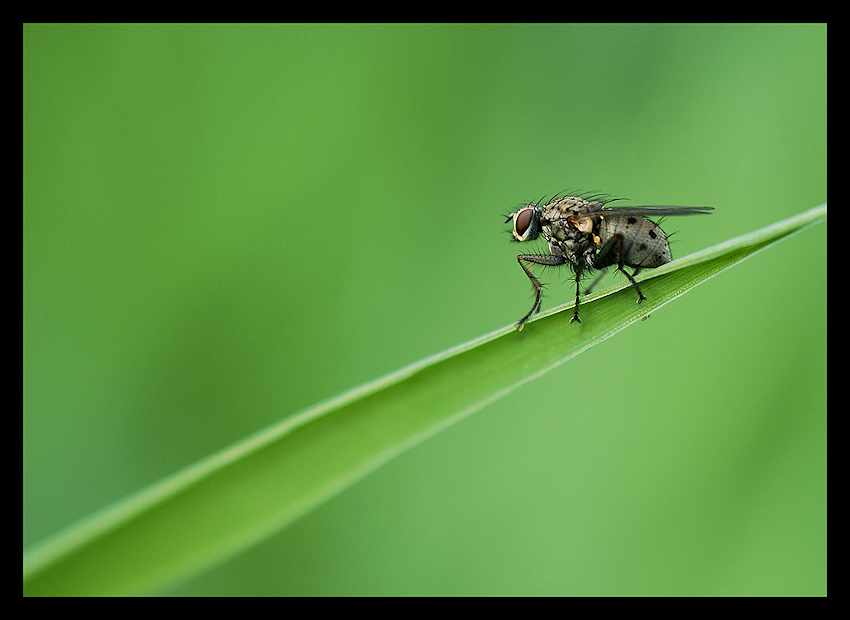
587, 235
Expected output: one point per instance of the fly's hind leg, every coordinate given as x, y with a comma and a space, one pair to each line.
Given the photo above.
631, 278
616, 242
538, 259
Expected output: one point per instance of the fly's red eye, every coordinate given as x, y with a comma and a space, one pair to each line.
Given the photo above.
523, 221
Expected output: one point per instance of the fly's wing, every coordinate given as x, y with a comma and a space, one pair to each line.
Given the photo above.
655, 211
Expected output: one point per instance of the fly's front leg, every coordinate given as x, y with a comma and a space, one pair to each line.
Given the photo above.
537, 259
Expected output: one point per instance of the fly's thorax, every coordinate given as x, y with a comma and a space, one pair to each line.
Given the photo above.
573, 206
577, 252
644, 243
569, 230
572, 244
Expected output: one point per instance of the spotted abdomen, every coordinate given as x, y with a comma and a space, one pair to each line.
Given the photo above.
644, 243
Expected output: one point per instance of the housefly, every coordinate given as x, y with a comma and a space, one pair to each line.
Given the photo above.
587, 235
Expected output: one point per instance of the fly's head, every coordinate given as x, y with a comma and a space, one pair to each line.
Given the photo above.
526, 222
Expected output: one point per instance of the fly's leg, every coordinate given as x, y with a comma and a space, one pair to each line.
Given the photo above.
617, 241
593, 284
537, 259
578, 270
631, 278
606, 249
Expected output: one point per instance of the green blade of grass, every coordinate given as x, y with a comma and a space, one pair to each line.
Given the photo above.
233, 499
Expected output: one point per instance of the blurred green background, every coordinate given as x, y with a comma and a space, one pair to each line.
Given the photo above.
226, 224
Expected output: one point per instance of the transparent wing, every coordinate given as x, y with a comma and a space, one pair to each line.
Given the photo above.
652, 211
